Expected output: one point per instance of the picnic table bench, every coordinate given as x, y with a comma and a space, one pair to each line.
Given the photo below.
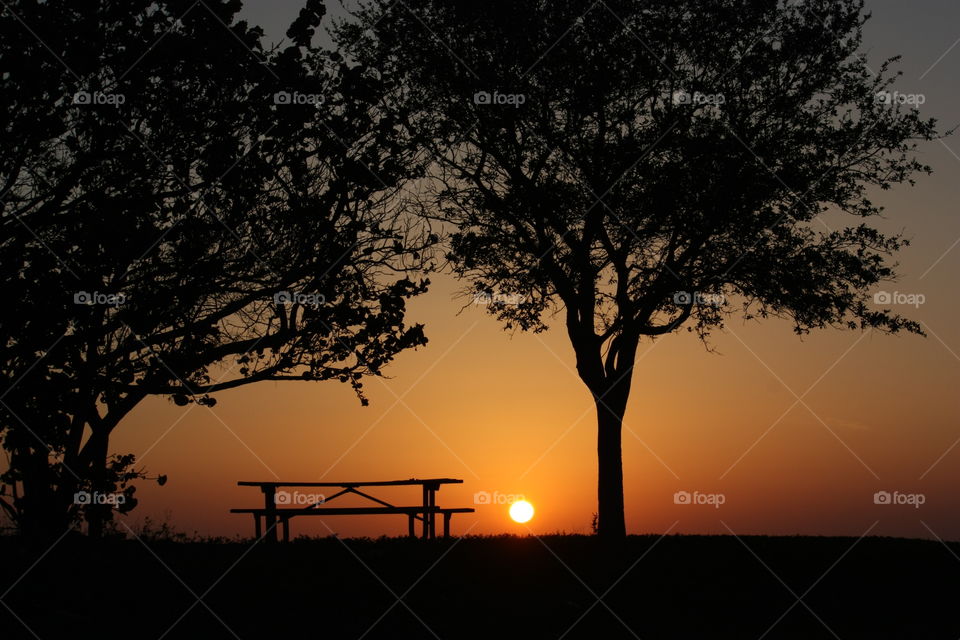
273, 511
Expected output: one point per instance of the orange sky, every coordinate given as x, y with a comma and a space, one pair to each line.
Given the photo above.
508, 414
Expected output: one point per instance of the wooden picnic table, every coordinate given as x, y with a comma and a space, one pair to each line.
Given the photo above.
426, 512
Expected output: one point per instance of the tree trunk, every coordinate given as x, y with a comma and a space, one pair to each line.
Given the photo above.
611, 525
97, 448
46, 507
43, 513
609, 383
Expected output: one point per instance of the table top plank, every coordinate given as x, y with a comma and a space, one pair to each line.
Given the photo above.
379, 483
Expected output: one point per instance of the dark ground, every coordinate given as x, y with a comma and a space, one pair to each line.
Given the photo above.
500, 587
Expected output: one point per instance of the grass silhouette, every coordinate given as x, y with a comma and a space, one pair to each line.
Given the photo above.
677, 586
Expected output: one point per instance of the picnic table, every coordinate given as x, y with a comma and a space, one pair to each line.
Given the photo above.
273, 512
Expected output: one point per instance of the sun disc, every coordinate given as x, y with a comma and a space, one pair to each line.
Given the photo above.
521, 511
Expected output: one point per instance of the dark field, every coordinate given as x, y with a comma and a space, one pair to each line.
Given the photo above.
499, 587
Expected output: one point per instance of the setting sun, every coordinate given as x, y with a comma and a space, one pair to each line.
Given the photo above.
521, 511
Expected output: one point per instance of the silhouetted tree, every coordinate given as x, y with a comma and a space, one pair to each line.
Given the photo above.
639, 165
183, 212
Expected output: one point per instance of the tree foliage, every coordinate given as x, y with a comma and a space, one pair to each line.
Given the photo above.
637, 166
183, 211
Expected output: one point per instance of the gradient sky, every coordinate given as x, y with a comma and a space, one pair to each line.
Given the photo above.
507, 413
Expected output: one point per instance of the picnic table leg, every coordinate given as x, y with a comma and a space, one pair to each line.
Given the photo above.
256, 526
270, 517
433, 515
286, 529
426, 514
446, 524
411, 527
